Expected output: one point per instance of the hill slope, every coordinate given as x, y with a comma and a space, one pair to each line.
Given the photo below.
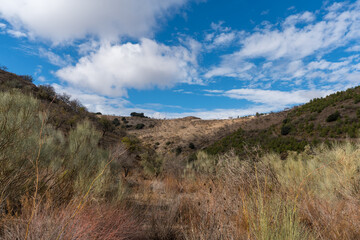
335, 117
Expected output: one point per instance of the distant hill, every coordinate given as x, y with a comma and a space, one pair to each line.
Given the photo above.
333, 118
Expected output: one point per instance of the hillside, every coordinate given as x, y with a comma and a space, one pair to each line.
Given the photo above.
182, 136
91, 176
333, 118
63, 113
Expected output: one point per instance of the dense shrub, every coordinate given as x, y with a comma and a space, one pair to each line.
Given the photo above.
116, 122
285, 129
178, 150
140, 126
67, 165
135, 114
333, 117
46, 92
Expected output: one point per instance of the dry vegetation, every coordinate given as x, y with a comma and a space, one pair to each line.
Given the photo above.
56, 186
165, 136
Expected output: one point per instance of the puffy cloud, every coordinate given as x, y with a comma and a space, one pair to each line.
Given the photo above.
66, 20
114, 68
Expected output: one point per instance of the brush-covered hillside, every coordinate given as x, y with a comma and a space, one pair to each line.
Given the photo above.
67, 173
176, 136
332, 118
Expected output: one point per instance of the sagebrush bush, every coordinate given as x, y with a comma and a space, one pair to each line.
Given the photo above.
67, 165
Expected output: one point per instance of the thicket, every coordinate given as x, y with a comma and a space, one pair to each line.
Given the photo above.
40, 163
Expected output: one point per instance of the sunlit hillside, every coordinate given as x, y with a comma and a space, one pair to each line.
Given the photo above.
87, 180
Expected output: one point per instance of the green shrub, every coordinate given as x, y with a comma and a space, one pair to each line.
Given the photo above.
106, 125
285, 129
333, 117
178, 150
116, 122
135, 114
140, 126
67, 165
46, 92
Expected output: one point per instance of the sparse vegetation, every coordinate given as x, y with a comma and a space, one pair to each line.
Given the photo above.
59, 181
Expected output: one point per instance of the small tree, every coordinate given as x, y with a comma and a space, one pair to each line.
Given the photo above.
4, 68
124, 158
106, 125
135, 114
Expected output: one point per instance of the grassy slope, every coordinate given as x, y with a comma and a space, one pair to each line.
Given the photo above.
306, 124
64, 114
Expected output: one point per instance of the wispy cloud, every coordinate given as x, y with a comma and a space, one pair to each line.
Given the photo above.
16, 34
289, 51
54, 58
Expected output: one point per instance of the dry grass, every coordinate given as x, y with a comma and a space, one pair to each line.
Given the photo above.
94, 222
79, 195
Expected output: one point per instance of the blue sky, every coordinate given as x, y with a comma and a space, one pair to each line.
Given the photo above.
176, 58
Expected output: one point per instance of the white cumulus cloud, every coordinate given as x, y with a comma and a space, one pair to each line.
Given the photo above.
66, 20
115, 68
